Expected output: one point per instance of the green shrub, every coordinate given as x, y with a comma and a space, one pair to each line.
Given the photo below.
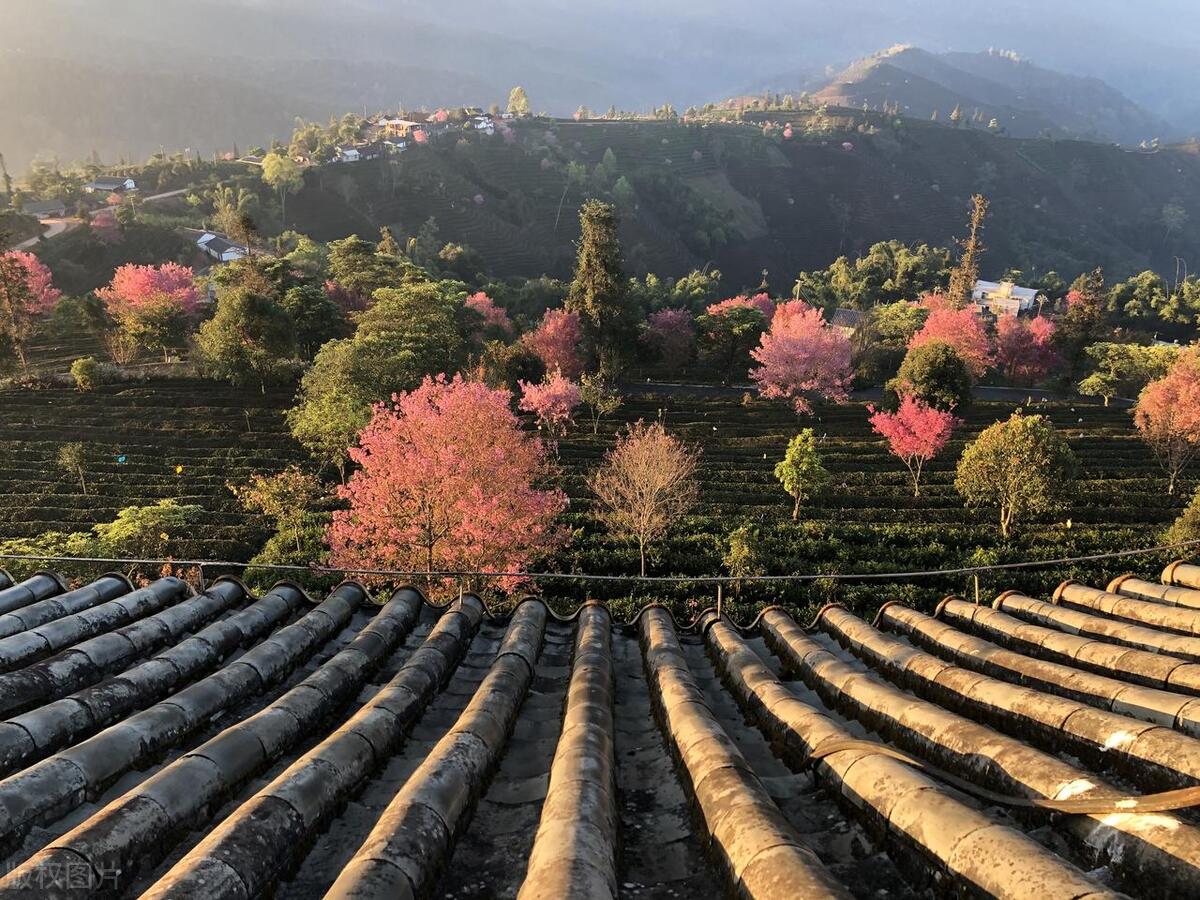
87, 373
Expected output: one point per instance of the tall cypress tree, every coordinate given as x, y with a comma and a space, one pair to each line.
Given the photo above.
966, 273
600, 292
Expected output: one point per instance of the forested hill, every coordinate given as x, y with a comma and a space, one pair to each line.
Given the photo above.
745, 199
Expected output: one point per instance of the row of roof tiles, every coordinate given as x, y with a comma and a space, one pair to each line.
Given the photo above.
160, 743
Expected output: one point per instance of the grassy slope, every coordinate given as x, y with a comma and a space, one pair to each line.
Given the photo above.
868, 522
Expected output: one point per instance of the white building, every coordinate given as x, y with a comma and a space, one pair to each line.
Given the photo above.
110, 185
220, 248
1003, 298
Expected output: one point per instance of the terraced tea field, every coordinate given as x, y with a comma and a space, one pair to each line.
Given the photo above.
184, 439
180, 439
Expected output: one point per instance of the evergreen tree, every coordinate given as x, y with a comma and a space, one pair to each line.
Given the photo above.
599, 292
966, 273
387, 242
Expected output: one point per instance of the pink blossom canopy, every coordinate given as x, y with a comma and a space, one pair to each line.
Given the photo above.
801, 356
448, 481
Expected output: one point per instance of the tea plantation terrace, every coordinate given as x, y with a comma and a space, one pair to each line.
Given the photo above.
157, 742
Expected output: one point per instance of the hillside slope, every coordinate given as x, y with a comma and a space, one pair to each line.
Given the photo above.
730, 196
1026, 100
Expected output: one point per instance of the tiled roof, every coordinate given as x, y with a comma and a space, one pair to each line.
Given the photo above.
160, 743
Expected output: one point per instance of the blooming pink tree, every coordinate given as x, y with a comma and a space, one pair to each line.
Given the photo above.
104, 226
494, 317
961, 329
447, 481
916, 432
347, 301
801, 356
39, 282
556, 342
763, 303
26, 292
672, 334
152, 304
1167, 416
1025, 350
553, 401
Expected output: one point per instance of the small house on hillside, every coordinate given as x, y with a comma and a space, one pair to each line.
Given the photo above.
395, 126
1003, 298
45, 209
111, 184
221, 248
359, 153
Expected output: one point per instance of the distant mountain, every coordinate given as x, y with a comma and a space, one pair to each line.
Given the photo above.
1025, 100
125, 76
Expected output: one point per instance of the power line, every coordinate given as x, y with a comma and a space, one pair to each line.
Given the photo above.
574, 576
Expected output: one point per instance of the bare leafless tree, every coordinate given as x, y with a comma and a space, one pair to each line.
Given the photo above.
646, 482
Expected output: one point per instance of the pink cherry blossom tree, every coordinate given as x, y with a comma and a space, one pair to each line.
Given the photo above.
105, 227
962, 329
672, 334
1025, 350
494, 317
1167, 416
801, 357
347, 301
916, 432
26, 292
556, 342
763, 303
152, 304
447, 481
553, 401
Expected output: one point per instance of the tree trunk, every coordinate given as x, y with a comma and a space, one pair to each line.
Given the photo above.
1171, 482
1005, 517
642, 554
82, 483
796, 510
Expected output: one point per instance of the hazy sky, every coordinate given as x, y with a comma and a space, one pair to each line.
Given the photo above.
212, 71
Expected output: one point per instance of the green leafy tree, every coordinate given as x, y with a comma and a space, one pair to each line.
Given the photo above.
1186, 528
801, 472
518, 101
251, 338
410, 332
726, 339
933, 372
504, 365
1125, 368
624, 193
315, 317
880, 342
281, 173
1021, 467
599, 291
72, 458
600, 395
359, 268
148, 532
285, 499
744, 556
